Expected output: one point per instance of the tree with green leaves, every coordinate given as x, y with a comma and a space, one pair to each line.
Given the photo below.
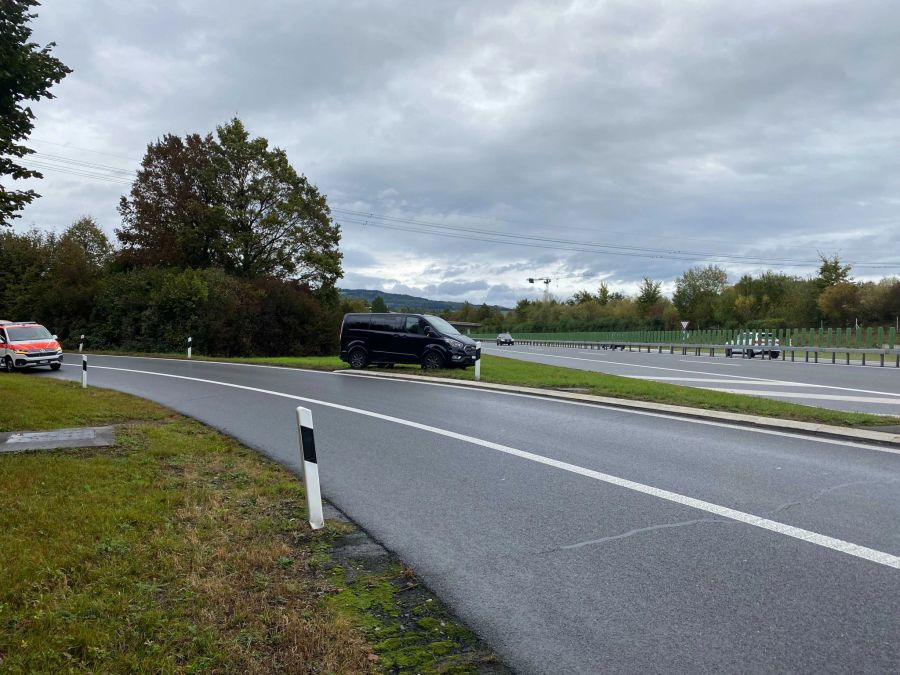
840, 302
696, 292
603, 294
230, 202
649, 295
832, 272
378, 304
27, 72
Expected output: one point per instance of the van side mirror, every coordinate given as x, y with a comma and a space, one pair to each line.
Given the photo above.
55, 337
428, 331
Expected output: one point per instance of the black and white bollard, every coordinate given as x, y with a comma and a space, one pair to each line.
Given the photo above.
81, 344
310, 468
478, 362
190, 339
84, 372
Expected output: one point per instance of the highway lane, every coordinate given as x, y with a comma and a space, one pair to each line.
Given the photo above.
855, 387
494, 499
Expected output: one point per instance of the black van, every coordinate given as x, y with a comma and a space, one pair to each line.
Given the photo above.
404, 338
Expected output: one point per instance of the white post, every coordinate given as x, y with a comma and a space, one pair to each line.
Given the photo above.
84, 372
81, 344
190, 339
478, 361
310, 468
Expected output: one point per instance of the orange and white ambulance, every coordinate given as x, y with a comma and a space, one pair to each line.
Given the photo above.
23, 345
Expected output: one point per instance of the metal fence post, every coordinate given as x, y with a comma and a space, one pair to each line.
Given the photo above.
310, 468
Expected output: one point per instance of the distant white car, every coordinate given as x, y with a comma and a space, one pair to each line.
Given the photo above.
752, 344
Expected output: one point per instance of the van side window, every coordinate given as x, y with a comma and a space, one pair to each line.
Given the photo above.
356, 321
387, 322
415, 325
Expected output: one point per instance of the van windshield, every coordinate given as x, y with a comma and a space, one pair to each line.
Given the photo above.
441, 326
25, 333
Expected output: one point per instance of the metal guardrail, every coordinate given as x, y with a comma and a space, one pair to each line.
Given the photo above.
696, 349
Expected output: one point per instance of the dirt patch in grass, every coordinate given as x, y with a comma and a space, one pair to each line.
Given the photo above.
179, 550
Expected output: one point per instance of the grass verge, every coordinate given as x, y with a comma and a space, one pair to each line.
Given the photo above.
503, 370
179, 550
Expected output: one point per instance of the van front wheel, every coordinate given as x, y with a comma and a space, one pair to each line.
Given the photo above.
432, 360
8, 365
357, 359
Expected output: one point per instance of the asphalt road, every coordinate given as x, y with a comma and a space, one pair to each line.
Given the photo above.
582, 539
855, 387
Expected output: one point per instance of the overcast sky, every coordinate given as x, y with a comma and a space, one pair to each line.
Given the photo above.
769, 130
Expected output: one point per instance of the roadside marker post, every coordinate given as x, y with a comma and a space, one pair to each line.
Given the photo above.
478, 362
84, 371
81, 344
190, 339
310, 468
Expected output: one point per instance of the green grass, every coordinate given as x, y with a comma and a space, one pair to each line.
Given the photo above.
179, 550
29, 403
503, 370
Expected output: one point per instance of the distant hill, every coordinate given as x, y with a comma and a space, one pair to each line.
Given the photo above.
398, 301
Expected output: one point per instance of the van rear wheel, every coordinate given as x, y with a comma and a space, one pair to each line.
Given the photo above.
357, 359
432, 360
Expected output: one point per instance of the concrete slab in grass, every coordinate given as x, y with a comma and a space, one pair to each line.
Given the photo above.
83, 437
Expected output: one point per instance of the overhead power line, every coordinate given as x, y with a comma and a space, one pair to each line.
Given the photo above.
530, 241
118, 175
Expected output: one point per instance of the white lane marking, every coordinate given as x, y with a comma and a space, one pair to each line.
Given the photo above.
804, 395
631, 411
873, 555
711, 363
196, 360
702, 372
663, 378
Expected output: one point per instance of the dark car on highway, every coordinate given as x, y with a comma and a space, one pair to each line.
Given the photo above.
386, 339
505, 339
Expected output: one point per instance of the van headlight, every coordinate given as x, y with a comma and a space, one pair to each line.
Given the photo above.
455, 344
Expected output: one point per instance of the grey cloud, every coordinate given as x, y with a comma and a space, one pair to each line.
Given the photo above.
765, 129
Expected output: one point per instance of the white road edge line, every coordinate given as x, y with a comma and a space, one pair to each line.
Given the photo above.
703, 372
562, 401
197, 360
824, 541
804, 395
631, 411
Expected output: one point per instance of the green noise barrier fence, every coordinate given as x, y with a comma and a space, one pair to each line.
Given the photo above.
863, 338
